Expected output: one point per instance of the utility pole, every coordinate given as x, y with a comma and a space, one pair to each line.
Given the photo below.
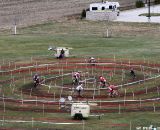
15, 26
149, 11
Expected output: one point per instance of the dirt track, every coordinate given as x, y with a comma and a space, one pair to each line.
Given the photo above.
71, 64
41, 101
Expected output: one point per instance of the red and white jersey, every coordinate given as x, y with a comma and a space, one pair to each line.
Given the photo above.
76, 75
111, 87
102, 79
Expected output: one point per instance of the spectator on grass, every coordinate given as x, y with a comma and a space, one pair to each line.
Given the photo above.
61, 54
132, 73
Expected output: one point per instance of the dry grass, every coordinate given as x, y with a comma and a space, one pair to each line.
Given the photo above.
30, 12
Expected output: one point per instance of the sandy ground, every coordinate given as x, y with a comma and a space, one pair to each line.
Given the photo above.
132, 15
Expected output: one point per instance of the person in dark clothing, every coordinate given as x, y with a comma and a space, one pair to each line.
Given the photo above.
132, 73
61, 54
36, 80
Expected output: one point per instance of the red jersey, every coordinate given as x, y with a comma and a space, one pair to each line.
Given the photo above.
102, 79
111, 88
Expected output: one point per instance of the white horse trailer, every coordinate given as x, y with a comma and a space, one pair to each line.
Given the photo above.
58, 50
80, 110
105, 6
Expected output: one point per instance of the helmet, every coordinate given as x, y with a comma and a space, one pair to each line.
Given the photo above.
100, 76
36, 74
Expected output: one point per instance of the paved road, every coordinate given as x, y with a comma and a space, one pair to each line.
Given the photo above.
132, 15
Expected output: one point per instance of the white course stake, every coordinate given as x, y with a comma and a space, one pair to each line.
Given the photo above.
31, 59
47, 67
119, 109
22, 101
9, 64
36, 100
49, 87
99, 90
22, 97
4, 107
62, 77
146, 90
15, 29
13, 89
15, 65
130, 128
66, 63
100, 105
133, 94
93, 93
31, 73
32, 122
154, 108
3, 61
114, 58
158, 90
129, 63
3, 98
43, 109
24, 80
31, 92
54, 96
36, 66
144, 60
3, 121
140, 102
125, 97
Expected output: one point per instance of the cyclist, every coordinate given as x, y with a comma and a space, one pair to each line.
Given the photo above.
36, 80
102, 81
79, 88
76, 77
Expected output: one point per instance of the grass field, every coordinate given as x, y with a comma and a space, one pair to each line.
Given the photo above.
127, 41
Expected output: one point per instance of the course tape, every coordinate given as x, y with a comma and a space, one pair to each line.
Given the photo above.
27, 67
91, 101
33, 121
42, 65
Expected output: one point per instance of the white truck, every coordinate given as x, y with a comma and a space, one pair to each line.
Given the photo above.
80, 110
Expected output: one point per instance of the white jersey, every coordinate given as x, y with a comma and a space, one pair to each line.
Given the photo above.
79, 87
